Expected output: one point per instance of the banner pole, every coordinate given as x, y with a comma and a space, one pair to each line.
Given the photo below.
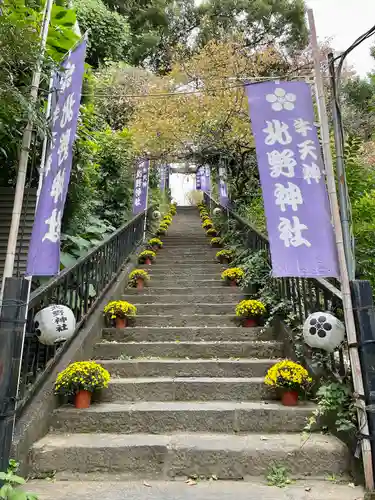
24, 155
345, 284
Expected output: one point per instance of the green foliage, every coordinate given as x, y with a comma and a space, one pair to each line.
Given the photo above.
335, 402
109, 31
75, 246
278, 475
20, 51
259, 21
10, 481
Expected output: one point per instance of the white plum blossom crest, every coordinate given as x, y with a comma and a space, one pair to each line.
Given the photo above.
280, 100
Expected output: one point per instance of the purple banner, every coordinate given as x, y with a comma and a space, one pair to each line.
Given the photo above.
291, 172
198, 179
162, 176
206, 179
141, 187
223, 187
44, 251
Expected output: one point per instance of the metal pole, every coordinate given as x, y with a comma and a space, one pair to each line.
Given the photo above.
345, 284
24, 156
341, 175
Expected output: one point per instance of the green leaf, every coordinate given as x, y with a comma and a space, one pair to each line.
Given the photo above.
67, 260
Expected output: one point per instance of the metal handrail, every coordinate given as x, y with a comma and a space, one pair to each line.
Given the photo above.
306, 295
80, 287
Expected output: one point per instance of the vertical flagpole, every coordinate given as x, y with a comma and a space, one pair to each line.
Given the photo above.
24, 156
345, 284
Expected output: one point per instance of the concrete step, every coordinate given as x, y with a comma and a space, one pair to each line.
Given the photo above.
195, 350
112, 487
155, 320
187, 367
175, 455
211, 266
187, 273
155, 417
208, 281
176, 260
193, 333
192, 309
192, 291
223, 294
187, 389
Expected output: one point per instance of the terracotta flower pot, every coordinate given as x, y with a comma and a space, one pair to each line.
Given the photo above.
148, 261
82, 399
233, 283
121, 323
155, 248
140, 284
289, 398
250, 322
224, 260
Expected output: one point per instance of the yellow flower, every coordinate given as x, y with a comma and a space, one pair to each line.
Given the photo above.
82, 375
287, 373
233, 274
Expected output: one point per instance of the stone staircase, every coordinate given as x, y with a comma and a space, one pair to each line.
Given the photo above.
187, 395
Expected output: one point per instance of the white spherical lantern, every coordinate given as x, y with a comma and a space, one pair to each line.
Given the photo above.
53, 324
322, 330
156, 214
217, 211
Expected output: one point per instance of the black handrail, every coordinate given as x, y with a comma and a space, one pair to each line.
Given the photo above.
306, 295
79, 287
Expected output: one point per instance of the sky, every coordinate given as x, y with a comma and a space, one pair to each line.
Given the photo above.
344, 21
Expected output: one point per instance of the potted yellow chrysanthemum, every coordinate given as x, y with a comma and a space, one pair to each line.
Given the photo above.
232, 276
292, 378
225, 256
138, 278
80, 380
250, 311
120, 311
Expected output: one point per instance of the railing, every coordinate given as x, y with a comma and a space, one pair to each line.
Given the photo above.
79, 287
306, 295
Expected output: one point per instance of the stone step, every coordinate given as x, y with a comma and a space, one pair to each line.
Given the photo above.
193, 333
187, 389
176, 260
195, 350
147, 298
187, 367
211, 267
191, 309
155, 320
155, 417
208, 281
171, 290
179, 455
112, 487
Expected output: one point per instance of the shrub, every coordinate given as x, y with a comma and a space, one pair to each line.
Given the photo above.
119, 309
146, 254
216, 242
161, 231
138, 274
207, 224
233, 274
211, 232
224, 255
81, 376
250, 309
155, 242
